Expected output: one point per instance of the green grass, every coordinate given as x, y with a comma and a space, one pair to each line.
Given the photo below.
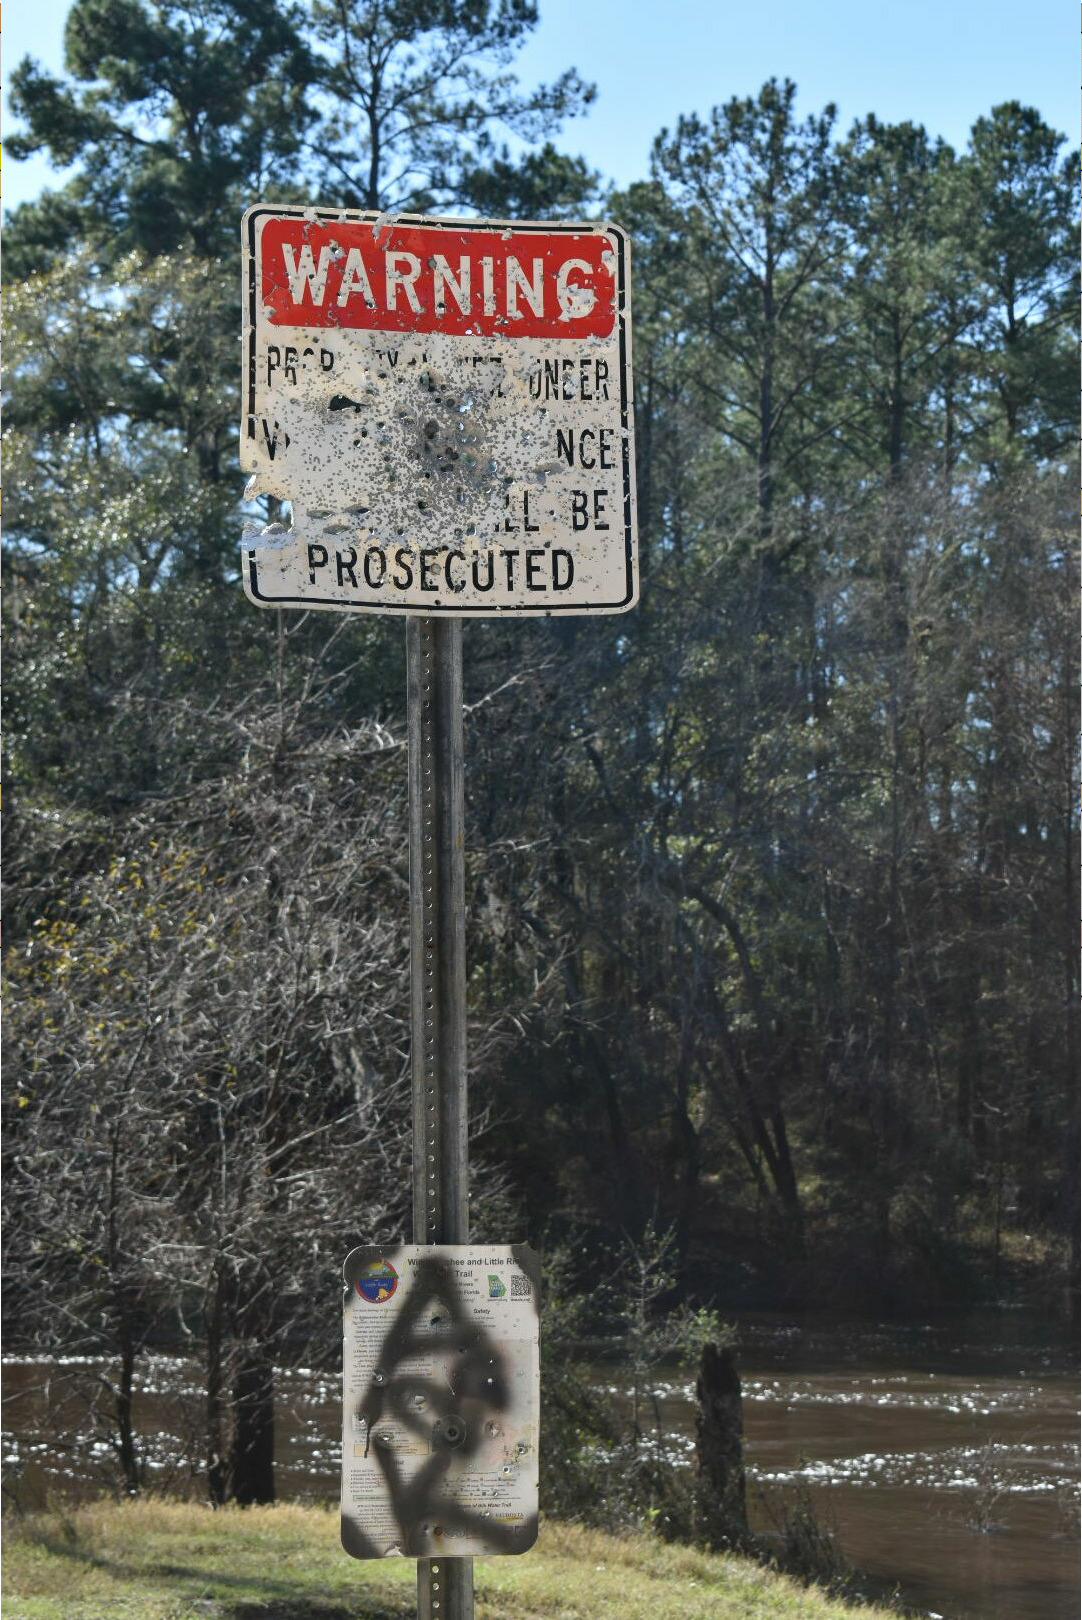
159, 1560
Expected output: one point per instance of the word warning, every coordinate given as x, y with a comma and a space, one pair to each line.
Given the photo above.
443, 408
441, 1397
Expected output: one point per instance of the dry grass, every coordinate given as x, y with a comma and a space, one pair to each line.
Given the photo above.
158, 1560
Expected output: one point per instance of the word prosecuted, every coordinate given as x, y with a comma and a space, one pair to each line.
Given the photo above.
417, 278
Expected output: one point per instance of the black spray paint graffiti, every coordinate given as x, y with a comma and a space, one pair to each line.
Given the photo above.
454, 1419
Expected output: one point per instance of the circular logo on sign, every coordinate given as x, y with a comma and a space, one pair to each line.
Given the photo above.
377, 1282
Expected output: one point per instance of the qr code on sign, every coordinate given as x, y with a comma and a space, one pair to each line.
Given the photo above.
520, 1287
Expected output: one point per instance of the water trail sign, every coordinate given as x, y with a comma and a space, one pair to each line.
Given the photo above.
441, 1390
446, 407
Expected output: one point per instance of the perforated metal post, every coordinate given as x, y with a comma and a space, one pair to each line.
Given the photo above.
438, 990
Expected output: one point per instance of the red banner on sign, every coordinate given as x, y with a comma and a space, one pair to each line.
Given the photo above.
421, 278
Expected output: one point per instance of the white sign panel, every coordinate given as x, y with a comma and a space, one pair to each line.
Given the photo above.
441, 1401
446, 407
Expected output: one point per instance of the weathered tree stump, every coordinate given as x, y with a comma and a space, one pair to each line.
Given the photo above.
719, 1440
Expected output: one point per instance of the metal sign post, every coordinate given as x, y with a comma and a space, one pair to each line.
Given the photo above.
437, 930
438, 991
446, 407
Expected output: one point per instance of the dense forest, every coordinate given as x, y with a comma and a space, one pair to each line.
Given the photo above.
771, 883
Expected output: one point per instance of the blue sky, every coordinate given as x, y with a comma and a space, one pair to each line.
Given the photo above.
938, 62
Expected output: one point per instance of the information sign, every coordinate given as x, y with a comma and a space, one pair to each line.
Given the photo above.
441, 1399
446, 407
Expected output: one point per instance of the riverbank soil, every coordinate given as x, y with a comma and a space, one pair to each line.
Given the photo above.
159, 1560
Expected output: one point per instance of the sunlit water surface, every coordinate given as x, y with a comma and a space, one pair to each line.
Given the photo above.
944, 1457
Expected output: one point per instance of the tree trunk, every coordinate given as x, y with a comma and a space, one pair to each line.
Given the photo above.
896, 424
123, 1311
252, 1458
216, 1470
129, 1463
687, 1163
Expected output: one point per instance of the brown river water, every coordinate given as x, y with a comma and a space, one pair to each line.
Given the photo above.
944, 1456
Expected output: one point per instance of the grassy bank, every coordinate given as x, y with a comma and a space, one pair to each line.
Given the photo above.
177, 1561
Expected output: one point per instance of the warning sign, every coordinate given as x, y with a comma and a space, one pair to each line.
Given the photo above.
446, 407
